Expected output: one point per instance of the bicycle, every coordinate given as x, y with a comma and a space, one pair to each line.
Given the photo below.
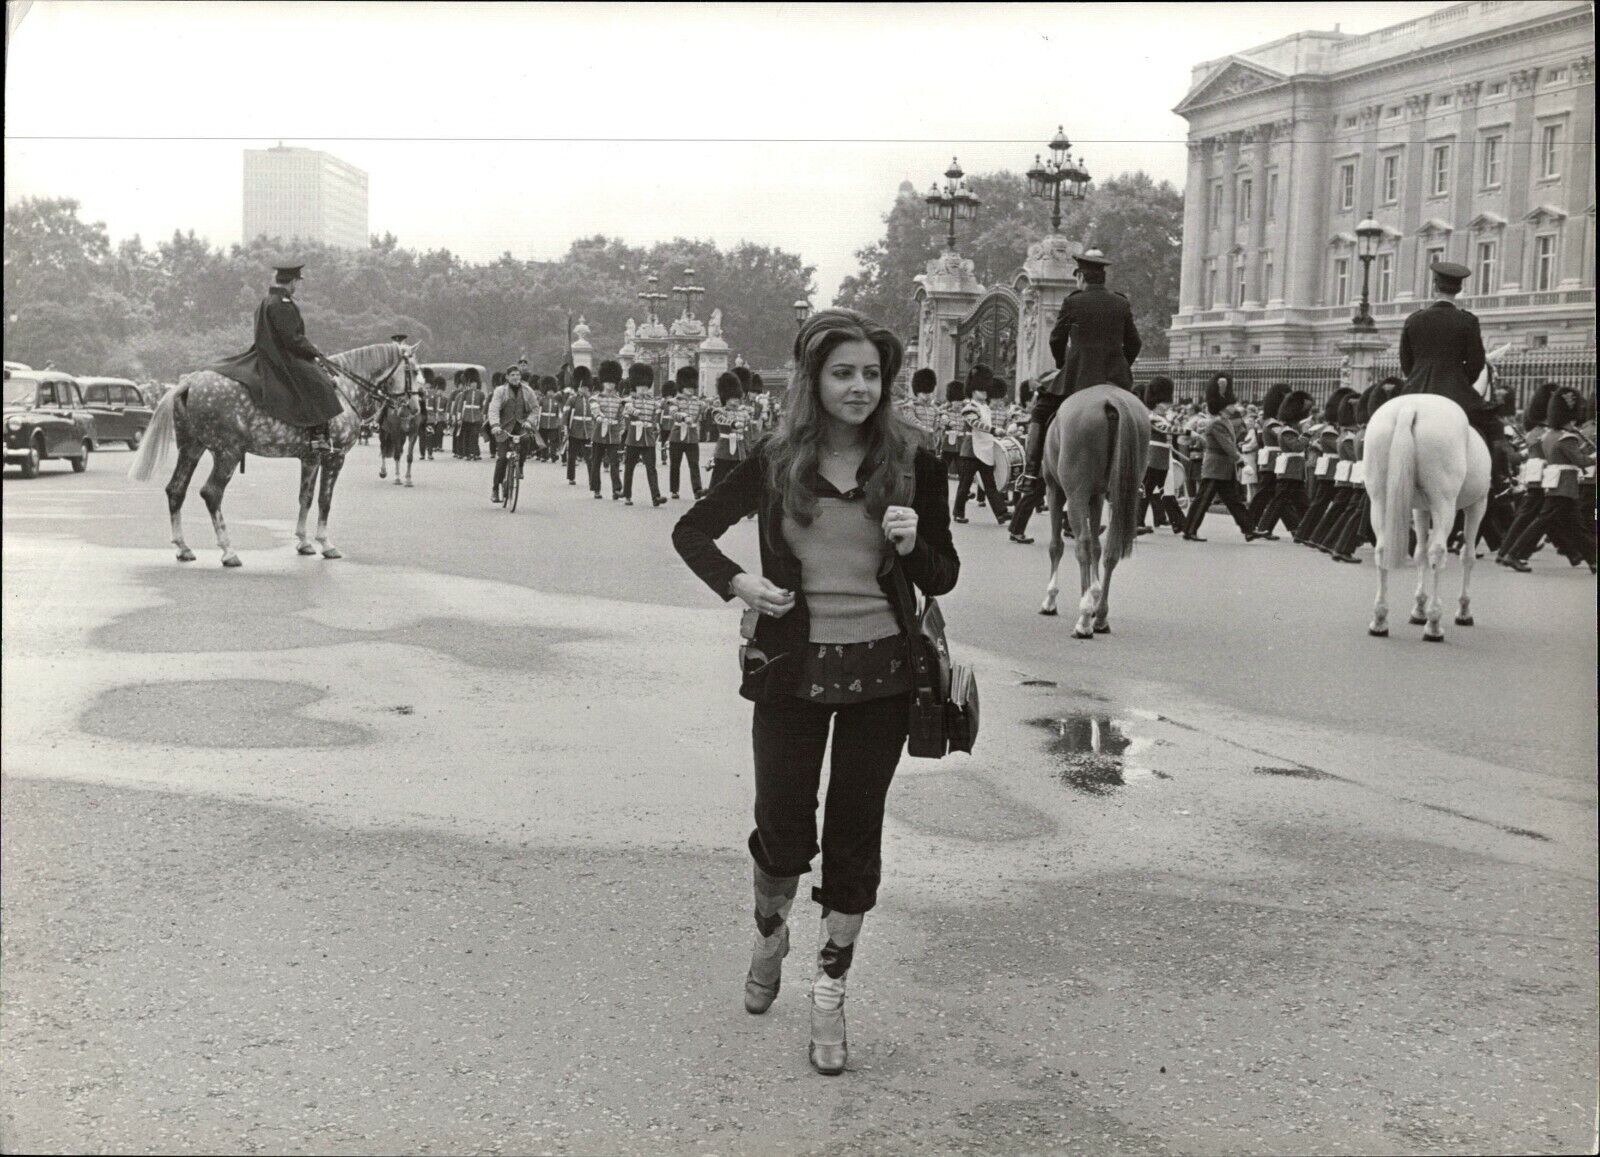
511, 485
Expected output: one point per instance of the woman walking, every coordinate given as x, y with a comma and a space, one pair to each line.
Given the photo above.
845, 499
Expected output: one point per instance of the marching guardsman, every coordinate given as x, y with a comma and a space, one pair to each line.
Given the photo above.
732, 421
1531, 473
1164, 508
1441, 352
472, 402
1267, 453
578, 419
1357, 523
606, 446
922, 411
549, 419
1322, 460
683, 425
438, 408
641, 418
950, 425
1095, 341
283, 370
1347, 451
1569, 461
1288, 501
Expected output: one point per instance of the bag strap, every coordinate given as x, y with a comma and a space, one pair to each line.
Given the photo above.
922, 675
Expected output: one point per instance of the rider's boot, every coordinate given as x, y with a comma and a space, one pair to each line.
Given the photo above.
320, 442
1032, 482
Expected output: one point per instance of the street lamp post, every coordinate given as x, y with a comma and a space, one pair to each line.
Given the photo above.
955, 202
1368, 234
802, 310
689, 291
1060, 175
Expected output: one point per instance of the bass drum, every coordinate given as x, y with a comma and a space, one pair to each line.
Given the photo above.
1009, 460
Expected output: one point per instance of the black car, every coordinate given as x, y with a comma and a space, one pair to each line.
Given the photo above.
120, 411
45, 418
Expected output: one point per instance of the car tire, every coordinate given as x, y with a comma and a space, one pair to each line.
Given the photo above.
81, 462
133, 442
30, 464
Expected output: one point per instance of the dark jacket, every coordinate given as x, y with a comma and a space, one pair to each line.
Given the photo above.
1094, 341
1222, 450
278, 369
1441, 352
932, 566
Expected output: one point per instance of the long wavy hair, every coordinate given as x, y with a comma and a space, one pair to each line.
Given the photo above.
792, 448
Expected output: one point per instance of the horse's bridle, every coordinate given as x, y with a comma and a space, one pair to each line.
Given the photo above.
375, 389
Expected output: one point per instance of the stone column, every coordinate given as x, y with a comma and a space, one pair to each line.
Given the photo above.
1230, 197
913, 353
951, 289
1050, 275
1415, 161
713, 364
1255, 293
1464, 180
1308, 193
1367, 165
582, 349
1519, 179
1196, 230
1577, 246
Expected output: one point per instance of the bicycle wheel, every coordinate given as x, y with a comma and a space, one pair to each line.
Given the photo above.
513, 485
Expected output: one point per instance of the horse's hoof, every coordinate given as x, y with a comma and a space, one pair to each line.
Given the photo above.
383, 474
1463, 620
231, 560
398, 481
1416, 620
408, 482
332, 552
1042, 610
1378, 632
1427, 638
186, 555
305, 548
1102, 628
1077, 634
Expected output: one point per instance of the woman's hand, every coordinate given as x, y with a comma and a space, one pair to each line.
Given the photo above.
900, 528
760, 595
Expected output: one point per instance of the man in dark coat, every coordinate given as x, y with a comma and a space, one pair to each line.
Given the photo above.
1094, 342
283, 370
1441, 352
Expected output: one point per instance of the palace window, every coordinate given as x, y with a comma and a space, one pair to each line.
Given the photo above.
1246, 188
1272, 196
1544, 261
1491, 161
1341, 281
1498, 88
1550, 150
1557, 75
1211, 283
1444, 100
1429, 259
1266, 275
1347, 185
1385, 289
1393, 114
1238, 286
1441, 170
1216, 203
1391, 178
1488, 261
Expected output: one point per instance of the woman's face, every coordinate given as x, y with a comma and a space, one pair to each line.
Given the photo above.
851, 383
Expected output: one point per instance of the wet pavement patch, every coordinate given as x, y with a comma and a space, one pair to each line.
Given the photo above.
216, 713
1295, 772
1038, 683
963, 806
1090, 750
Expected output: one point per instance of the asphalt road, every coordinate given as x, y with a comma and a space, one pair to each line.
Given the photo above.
438, 848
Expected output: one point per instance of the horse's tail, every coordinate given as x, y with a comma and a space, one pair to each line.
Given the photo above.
1122, 487
159, 436
1400, 484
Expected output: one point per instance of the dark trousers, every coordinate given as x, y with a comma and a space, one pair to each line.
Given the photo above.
1227, 490
469, 446
577, 451
1571, 532
965, 469
1319, 492
1265, 489
609, 454
1164, 509
1527, 510
509, 446
790, 736
1288, 503
636, 455
1332, 515
1355, 529
682, 452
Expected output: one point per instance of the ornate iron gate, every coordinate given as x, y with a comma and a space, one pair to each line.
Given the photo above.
988, 337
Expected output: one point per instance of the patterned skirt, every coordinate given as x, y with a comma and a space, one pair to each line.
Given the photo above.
838, 673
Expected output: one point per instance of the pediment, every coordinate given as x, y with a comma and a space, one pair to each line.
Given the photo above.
1485, 221
1236, 77
1434, 227
1543, 213
1341, 240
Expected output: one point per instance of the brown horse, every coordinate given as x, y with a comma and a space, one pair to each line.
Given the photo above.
208, 411
1094, 452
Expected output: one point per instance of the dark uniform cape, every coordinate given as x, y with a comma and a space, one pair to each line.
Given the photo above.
278, 371
1441, 352
1094, 341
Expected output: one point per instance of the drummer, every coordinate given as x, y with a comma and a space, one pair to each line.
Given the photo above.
976, 454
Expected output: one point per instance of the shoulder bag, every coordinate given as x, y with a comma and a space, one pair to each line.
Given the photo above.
944, 700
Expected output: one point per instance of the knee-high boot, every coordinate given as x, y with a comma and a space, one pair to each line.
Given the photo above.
774, 897
829, 1050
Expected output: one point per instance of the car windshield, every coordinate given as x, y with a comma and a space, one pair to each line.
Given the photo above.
19, 392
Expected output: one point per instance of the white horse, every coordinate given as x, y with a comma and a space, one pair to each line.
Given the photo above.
1424, 462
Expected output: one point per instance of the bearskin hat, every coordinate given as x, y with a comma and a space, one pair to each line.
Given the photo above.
1350, 410
640, 376
610, 371
1276, 393
1330, 411
924, 381
1218, 396
729, 388
1296, 408
1565, 408
1538, 405
743, 374
581, 377
686, 377
954, 391
1158, 391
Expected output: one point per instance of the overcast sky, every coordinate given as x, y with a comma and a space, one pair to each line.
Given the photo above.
487, 128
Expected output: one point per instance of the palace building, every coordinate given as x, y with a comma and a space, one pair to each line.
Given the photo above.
1467, 135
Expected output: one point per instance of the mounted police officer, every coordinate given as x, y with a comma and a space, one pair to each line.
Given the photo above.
1441, 352
1094, 342
283, 371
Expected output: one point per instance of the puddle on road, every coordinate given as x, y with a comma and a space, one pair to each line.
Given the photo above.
1295, 772
1093, 753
